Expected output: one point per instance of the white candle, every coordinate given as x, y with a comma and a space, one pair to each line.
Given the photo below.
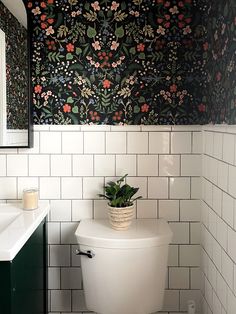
30, 199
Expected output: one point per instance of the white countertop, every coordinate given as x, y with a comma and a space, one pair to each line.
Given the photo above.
18, 229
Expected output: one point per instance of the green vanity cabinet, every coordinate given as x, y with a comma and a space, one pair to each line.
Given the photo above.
23, 281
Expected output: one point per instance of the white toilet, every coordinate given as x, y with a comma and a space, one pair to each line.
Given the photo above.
124, 272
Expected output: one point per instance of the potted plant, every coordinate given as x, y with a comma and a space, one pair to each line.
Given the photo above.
121, 203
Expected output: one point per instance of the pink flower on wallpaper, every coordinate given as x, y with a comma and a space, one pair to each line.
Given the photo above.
161, 30
114, 45
114, 5
96, 45
187, 30
36, 11
174, 10
49, 31
218, 76
96, 6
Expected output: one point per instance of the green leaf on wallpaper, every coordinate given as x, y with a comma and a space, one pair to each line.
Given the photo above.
141, 56
78, 51
91, 32
70, 100
47, 111
123, 5
119, 32
125, 50
69, 56
141, 99
75, 109
136, 109
213, 22
59, 20
109, 13
76, 66
117, 78
132, 50
226, 10
134, 66
86, 6
85, 50
205, 55
92, 78
54, 56
100, 13
73, 118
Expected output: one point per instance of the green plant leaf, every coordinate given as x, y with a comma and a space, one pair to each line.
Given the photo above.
141, 99
75, 109
142, 55
78, 51
119, 195
69, 56
132, 51
91, 32
119, 32
136, 109
70, 100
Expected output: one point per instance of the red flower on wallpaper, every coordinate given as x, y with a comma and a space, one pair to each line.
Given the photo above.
43, 17
106, 84
44, 25
38, 89
140, 47
205, 46
117, 116
67, 108
145, 108
173, 88
202, 108
50, 21
70, 47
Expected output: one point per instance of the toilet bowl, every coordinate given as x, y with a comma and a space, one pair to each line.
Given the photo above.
124, 272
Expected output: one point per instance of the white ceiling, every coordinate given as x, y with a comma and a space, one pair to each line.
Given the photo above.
17, 8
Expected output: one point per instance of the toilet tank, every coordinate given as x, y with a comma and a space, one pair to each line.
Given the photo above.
128, 270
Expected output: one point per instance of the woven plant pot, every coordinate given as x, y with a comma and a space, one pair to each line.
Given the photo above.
120, 217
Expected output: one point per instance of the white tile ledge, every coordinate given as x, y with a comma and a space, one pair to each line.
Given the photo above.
117, 128
181, 128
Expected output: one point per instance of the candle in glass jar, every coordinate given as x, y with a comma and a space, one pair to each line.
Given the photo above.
30, 199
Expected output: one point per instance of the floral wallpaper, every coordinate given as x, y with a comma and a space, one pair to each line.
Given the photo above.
17, 70
221, 65
118, 62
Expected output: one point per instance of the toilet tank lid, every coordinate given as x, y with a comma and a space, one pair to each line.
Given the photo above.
142, 233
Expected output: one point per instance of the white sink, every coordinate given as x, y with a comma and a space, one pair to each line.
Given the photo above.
7, 216
17, 226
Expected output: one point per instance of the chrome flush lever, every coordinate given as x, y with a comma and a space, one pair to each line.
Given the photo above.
89, 254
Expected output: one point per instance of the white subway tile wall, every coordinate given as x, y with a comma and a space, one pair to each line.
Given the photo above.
70, 165
218, 264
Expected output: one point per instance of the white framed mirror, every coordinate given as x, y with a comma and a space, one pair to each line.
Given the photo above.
15, 113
